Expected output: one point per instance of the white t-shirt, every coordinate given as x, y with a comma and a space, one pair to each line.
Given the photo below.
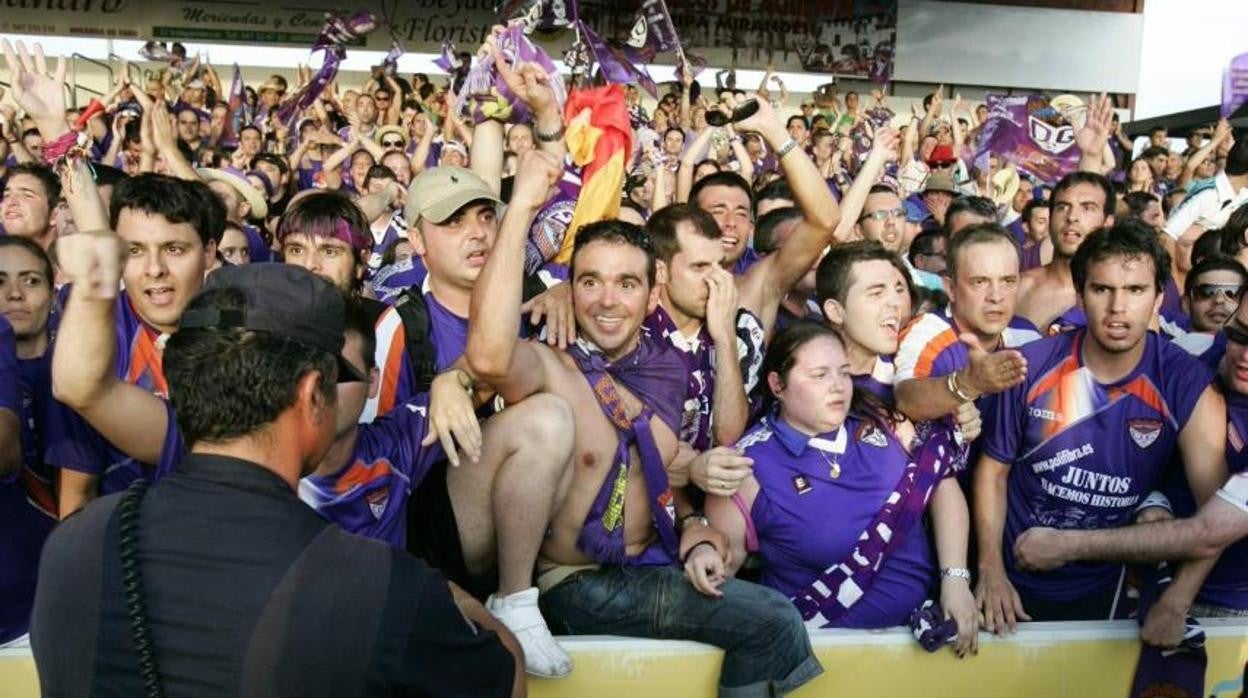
1208, 208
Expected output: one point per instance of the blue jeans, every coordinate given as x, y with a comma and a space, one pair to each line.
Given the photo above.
766, 647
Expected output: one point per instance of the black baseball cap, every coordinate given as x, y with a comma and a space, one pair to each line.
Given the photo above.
283, 299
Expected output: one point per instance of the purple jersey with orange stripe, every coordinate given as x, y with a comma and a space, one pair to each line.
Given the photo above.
1083, 454
74, 444
368, 496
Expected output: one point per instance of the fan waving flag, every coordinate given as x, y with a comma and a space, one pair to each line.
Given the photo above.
615, 65
337, 32
652, 33
1235, 86
233, 118
599, 140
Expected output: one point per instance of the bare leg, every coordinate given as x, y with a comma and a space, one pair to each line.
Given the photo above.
504, 502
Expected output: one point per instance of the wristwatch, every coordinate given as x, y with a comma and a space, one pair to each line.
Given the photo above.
955, 573
696, 516
549, 137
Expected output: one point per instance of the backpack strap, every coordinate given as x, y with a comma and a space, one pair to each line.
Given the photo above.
421, 354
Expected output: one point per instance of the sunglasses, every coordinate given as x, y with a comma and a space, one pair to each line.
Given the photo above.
388, 143
884, 214
1235, 334
1207, 292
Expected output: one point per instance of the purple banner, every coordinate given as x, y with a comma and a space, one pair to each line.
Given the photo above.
615, 66
336, 32
1235, 85
1028, 132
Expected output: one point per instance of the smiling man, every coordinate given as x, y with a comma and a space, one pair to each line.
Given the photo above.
168, 231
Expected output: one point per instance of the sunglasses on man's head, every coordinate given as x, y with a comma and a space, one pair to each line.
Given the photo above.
388, 143
1207, 292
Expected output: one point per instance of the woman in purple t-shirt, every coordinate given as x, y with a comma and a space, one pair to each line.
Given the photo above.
826, 461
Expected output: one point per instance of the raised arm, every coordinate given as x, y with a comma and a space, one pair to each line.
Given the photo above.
531, 85
1220, 133
36, 90
883, 149
487, 153
767, 282
166, 139
689, 160
1093, 138
83, 363
494, 353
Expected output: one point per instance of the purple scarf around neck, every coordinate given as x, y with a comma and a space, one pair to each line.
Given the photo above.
650, 374
843, 584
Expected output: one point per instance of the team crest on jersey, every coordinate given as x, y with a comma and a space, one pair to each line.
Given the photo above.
801, 484
377, 501
1144, 431
871, 435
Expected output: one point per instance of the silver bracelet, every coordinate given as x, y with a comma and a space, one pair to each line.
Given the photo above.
785, 149
955, 573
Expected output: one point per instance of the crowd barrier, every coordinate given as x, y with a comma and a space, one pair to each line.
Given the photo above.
1044, 660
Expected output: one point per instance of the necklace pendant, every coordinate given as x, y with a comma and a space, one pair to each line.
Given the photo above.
834, 470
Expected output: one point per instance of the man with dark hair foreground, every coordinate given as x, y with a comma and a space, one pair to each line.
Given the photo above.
156, 592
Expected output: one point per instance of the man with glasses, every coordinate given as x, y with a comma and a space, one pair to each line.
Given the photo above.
1214, 288
883, 219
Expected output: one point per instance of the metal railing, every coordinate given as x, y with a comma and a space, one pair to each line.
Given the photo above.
73, 77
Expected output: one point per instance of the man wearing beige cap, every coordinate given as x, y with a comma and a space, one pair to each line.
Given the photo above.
490, 510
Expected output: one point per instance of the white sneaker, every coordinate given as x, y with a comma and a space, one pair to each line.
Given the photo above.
542, 655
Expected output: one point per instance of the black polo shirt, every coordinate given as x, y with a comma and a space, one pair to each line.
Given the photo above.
249, 592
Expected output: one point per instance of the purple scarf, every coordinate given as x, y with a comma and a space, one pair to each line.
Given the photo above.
550, 225
486, 95
1175, 673
843, 584
647, 373
701, 383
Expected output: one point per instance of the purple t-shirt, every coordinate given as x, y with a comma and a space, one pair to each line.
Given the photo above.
1029, 257
368, 497
447, 331
74, 444
797, 491
1227, 584
27, 507
1082, 454
10, 388
747, 260
257, 249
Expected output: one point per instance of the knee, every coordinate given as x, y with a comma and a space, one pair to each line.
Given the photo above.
544, 423
776, 622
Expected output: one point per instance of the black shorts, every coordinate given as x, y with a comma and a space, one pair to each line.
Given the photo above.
433, 534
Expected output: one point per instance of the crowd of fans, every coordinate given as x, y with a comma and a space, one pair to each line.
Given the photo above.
826, 368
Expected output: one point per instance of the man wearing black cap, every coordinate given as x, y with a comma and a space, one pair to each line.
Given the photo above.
155, 591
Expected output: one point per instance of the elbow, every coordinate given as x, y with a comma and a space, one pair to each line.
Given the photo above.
485, 365
826, 218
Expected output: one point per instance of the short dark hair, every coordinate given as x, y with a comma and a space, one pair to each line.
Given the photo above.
974, 235
1217, 262
45, 262
662, 228
1137, 202
379, 172
1031, 206
677, 129
925, 244
1074, 179
1212, 243
795, 117
775, 189
275, 160
1237, 159
177, 200
723, 178
1153, 151
618, 232
362, 320
1157, 129
228, 383
834, 276
765, 241
977, 205
51, 183
1130, 238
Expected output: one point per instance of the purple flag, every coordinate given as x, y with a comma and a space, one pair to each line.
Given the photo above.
1235, 85
234, 118
652, 33
1028, 132
337, 32
614, 64
880, 70
390, 64
535, 14
487, 96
